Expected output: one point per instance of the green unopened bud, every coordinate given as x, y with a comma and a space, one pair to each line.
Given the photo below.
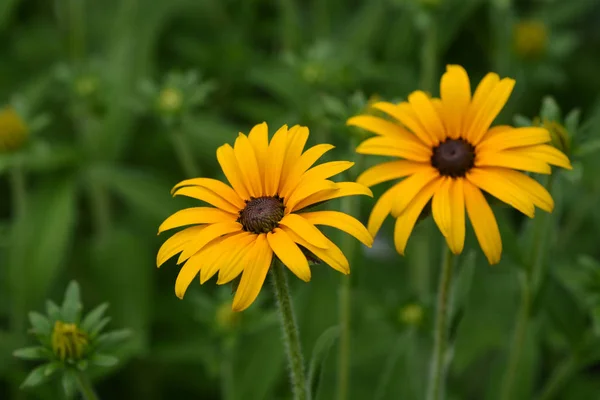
561, 138
530, 38
312, 73
68, 341
13, 131
411, 314
170, 100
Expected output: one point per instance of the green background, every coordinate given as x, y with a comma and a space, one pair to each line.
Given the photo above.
87, 76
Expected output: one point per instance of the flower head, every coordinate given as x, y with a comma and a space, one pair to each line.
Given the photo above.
68, 341
450, 153
13, 130
262, 213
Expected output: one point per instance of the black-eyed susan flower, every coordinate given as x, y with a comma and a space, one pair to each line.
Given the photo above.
262, 213
450, 153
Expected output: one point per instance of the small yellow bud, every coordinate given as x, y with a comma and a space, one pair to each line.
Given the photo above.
13, 131
170, 100
530, 38
225, 318
311, 73
411, 314
68, 341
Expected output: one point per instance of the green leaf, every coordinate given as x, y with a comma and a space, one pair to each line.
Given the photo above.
550, 110
52, 367
572, 121
40, 324
71, 306
69, 382
32, 353
97, 328
82, 365
36, 377
588, 148
319, 353
104, 360
93, 317
53, 311
110, 339
521, 121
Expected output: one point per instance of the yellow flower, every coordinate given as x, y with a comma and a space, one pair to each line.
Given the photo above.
13, 131
261, 213
68, 341
170, 100
530, 38
450, 154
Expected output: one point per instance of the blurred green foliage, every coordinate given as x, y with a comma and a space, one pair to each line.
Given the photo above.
124, 99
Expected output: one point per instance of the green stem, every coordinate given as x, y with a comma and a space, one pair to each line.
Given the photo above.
227, 379
428, 54
349, 206
100, 203
184, 155
19, 193
518, 339
291, 336
529, 283
85, 387
390, 364
437, 372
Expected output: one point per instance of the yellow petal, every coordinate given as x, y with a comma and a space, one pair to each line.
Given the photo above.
208, 234
440, 207
517, 137
306, 190
220, 188
196, 215
275, 156
497, 184
229, 165
456, 236
489, 109
409, 187
405, 223
297, 139
383, 146
484, 223
246, 159
340, 221
509, 159
254, 275
186, 275
427, 114
326, 170
405, 114
385, 128
233, 265
382, 209
332, 256
536, 192
305, 230
480, 97
307, 159
224, 250
455, 91
176, 243
289, 253
496, 130
341, 189
390, 170
208, 196
546, 153
259, 138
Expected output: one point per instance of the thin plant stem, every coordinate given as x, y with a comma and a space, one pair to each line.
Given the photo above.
100, 204
558, 378
184, 155
390, 364
350, 206
18, 190
227, 380
85, 387
291, 337
429, 56
529, 283
437, 373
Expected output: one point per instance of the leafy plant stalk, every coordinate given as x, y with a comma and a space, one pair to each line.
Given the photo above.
291, 337
184, 155
437, 373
